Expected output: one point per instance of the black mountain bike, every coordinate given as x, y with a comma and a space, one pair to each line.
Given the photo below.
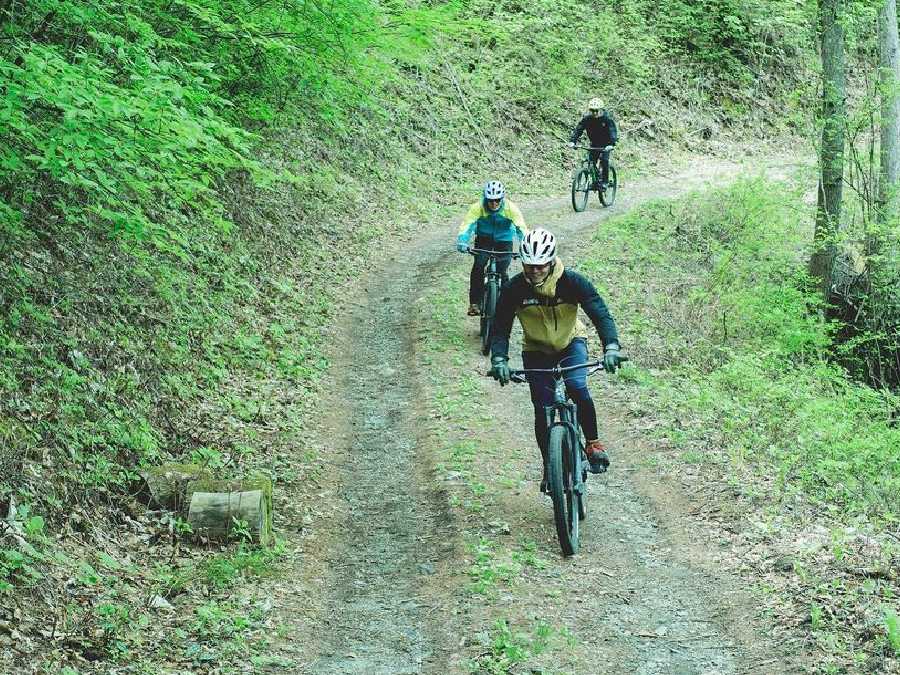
492, 283
587, 178
566, 462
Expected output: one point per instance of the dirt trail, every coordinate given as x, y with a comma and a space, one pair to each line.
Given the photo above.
395, 532
391, 555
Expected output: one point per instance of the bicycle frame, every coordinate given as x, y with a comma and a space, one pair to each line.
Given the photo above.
490, 269
492, 284
563, 411
586, 163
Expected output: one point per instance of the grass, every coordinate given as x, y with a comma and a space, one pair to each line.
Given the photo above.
732, 364
510, 647
729, 350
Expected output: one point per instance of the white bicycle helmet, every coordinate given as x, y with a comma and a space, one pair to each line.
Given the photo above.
494, 189
595, 104
538, 247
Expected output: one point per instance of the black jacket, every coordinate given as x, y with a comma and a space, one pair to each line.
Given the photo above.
600, 130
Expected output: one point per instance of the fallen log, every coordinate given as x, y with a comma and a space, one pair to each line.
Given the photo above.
223, 510
168, 483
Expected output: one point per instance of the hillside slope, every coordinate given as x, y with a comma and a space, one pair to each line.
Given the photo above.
185, 190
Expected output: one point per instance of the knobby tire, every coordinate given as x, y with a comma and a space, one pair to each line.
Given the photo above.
608, 196
488, 308
561, 479
581, 187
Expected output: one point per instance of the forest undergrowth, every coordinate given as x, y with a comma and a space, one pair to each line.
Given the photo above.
186, 190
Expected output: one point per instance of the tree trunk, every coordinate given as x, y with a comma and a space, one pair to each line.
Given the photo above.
219, 510
828, 211
889, 82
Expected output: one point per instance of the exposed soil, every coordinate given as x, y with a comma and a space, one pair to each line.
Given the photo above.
379, 551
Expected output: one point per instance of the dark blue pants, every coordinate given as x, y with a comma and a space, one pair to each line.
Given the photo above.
476, 278
576, 385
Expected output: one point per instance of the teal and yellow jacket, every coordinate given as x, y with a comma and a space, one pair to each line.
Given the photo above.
549, 312
504, 224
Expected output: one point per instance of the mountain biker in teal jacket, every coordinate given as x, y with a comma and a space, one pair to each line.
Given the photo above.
494, 223
602, 132
546, 297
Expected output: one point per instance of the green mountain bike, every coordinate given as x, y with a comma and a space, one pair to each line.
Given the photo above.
587, 179
567, 464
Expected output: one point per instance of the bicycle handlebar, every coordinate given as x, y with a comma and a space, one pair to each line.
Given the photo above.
473, 251
587, 147
518, 375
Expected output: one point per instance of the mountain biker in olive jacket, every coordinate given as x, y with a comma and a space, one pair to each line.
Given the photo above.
546, 297
493, 222
601, 130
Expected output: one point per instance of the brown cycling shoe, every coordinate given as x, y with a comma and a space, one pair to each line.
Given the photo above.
474, 310
597, 457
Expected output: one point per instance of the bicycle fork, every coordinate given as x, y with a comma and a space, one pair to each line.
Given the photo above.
567, 419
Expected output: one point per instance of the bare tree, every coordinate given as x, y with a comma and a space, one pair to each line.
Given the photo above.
828, 212
889, 76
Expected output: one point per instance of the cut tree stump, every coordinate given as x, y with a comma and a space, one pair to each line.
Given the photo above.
216, 505
168, 484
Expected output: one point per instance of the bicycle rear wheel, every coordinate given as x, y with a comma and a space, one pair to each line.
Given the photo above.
581, 186
488, 308
608, 194
561, 478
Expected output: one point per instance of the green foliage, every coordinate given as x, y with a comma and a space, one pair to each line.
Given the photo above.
723, 304
133, 113
892, 626
509, 647
737, 38
225, 570
487, 571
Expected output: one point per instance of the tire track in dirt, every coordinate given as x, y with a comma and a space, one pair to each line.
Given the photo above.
640, 597
380, 618
381, 609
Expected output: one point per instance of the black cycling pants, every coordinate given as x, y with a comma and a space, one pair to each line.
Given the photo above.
476, 278
603, 156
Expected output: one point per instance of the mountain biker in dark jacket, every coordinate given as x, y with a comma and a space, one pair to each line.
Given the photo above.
493, 222
601, 130
546, 297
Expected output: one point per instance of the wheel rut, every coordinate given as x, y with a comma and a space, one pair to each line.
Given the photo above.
380, 617
393, 600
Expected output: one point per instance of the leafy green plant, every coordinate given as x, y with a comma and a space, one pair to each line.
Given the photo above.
892, 626
816, 617
509, 647
224, 570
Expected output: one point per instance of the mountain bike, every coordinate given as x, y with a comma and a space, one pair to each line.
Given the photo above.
587, 178
492, 283
566, 461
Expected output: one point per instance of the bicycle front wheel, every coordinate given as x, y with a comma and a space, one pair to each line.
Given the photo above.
581, 186
488, 308
608, 194
561, 478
